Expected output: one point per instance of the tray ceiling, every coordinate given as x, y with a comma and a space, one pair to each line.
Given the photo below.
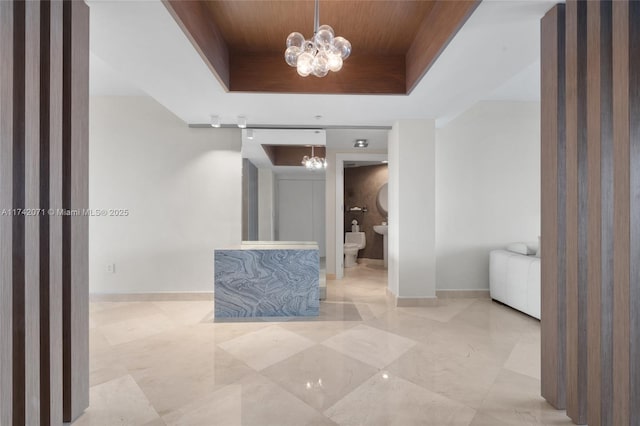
394, 42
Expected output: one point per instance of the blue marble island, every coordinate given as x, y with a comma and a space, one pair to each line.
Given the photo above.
267, 279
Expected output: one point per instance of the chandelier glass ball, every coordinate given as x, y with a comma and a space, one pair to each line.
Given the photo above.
314, 162
322, 53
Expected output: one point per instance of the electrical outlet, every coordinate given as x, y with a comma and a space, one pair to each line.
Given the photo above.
111, 268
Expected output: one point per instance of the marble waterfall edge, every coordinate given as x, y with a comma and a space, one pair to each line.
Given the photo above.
266, 283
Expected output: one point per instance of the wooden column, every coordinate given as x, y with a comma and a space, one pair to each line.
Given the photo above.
603, 213
621, 213
31, 255
594, 210
75, 195
631, 20
40, 113
553, 206
6, 221
576, 212
51, 225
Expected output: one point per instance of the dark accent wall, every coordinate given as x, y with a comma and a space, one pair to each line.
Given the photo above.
590, 211
361, 185
44, 306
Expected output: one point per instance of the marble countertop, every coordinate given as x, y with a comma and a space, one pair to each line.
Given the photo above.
276, 245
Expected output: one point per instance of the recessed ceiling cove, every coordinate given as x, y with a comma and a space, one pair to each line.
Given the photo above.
291, 155
394, 43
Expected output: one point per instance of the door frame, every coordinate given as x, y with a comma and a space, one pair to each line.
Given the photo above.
339, 212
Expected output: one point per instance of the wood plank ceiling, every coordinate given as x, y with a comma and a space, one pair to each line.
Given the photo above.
394, 42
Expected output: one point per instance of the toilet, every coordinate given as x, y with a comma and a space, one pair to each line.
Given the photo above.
353, 242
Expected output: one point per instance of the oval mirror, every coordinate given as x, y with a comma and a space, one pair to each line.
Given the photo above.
383, 199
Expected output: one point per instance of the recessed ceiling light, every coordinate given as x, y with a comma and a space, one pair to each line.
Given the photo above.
384, 161
250, 134
361, 143
242, 121
215, 121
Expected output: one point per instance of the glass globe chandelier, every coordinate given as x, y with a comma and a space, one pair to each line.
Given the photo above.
320, 54
313, 162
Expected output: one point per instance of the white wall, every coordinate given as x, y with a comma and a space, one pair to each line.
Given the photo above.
412, 221
266, 209
487, 190
182, 187
300, 208
393, 248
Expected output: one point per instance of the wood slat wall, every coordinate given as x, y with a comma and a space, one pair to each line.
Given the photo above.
631, 20
40, 113
621, 212
6, 222
553, 206
75, 195
594, 246
602, 222
576, 215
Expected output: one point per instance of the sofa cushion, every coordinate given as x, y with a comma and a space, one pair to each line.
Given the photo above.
522, 248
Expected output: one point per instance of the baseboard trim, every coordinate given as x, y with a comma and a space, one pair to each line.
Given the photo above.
415, 302
165, 296
410, 302
366, 260
463, 294
391, 297
152, 297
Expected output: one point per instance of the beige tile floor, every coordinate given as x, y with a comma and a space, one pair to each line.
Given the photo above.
362, 362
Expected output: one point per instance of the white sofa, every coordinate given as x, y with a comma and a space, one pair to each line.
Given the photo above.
514, 279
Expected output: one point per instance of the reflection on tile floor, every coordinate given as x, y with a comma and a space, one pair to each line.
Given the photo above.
362, 362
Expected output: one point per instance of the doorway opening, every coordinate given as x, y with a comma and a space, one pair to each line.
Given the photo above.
368, 205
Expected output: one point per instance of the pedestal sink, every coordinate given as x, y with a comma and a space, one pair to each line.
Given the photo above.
383, 230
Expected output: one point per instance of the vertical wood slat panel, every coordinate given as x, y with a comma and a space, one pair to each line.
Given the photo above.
80, 200
45, 312
75, 196
634, 235
611, 183
55, 203
571, 194
32, 201
576, 192
553, 208
31, 176
607, 191
620, 60
18, 203
6, 223
593, 208
582, 370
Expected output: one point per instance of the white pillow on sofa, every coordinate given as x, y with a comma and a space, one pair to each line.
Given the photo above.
522, 248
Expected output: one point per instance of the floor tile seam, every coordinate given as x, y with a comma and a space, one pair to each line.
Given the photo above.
356, 359
440, 393
344, 396
120, 322
148, 400
274, 383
